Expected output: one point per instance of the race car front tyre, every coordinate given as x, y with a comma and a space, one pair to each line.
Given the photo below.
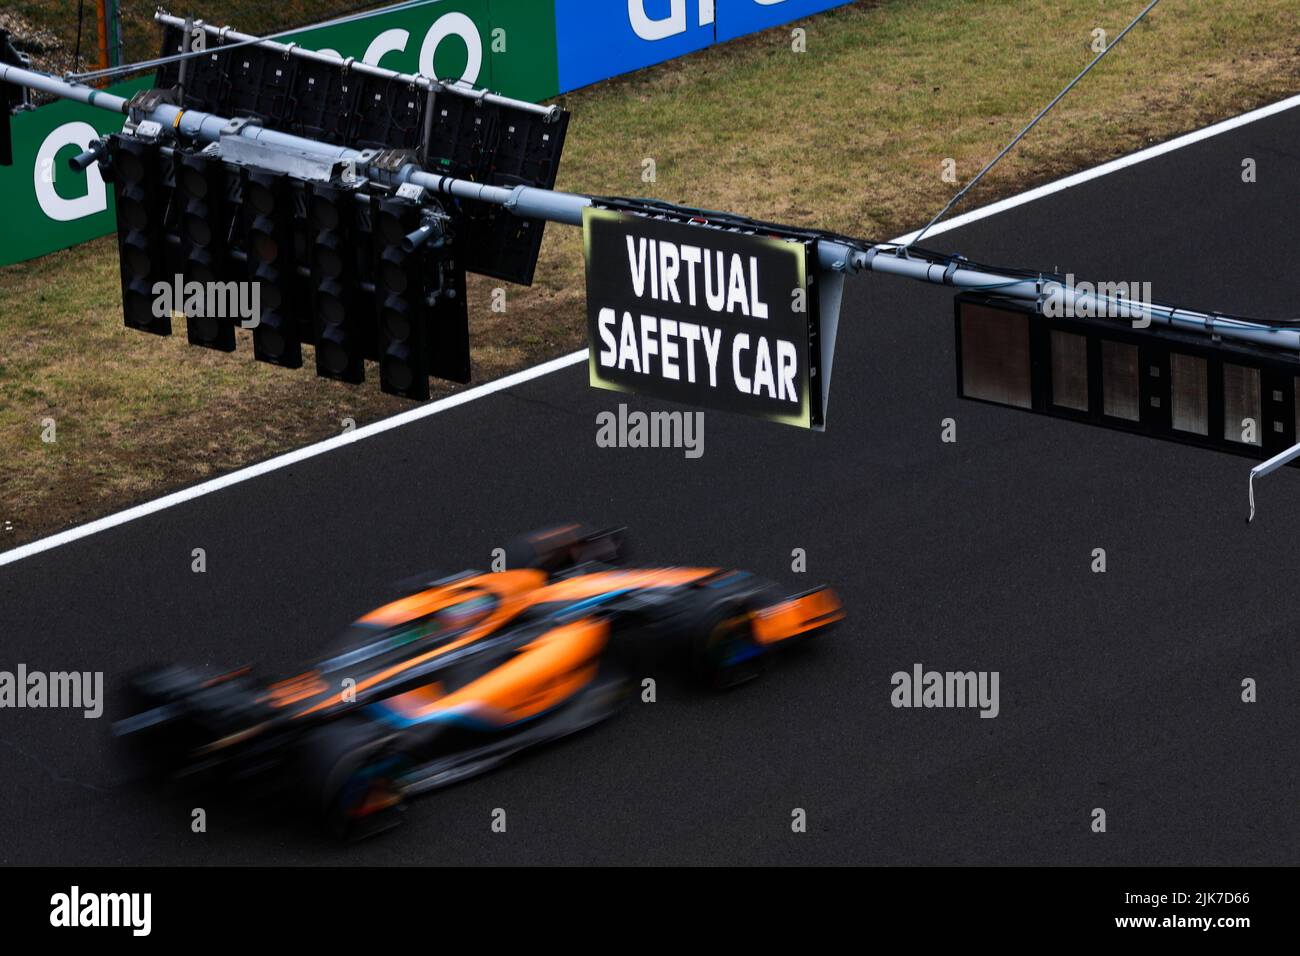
724, 653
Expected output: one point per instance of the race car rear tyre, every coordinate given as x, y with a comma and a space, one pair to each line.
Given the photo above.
352, 780
724, 653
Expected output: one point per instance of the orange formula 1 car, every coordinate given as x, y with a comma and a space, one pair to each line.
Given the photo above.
463, 672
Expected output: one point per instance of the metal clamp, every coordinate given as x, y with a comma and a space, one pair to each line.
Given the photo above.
144, 102
148, 130
391, 160
1209, 326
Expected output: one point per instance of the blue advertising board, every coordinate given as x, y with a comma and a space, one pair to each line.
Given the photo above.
597, 39
735, 18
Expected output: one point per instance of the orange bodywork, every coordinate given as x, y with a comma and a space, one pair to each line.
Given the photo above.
511, 588
544, 673
797, 616
295, 689
590, 585
505, 585
415, 703
515, 591
548, 669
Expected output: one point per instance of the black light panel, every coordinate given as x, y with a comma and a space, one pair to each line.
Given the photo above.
142, 196
995, 357
469, 138
1154, 381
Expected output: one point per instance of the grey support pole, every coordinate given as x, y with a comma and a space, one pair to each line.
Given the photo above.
566, 208
887, 259
45, 83
204, 128
1266, 468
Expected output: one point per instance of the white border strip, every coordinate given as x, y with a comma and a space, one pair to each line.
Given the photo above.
537, 371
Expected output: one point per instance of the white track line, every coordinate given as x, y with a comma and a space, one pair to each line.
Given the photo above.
1105, 169
537, 371
289, 458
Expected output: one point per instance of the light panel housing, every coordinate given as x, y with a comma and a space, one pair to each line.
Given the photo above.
1156, 381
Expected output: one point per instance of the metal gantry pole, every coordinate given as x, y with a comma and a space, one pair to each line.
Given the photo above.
1267, 468
567, 208
204, 128
43, 82
887, 260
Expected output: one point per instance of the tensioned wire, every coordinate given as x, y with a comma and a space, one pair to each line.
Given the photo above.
1032, 123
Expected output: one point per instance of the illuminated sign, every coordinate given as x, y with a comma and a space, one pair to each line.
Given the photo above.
711, 317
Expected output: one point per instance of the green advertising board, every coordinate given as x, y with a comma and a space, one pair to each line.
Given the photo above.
507, 46
504, 45
46, 205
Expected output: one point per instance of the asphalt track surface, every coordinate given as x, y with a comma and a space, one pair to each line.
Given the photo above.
1118, 690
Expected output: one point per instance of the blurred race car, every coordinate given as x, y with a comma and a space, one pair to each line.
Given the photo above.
460, 673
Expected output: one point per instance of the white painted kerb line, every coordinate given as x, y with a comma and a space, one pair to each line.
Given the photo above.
564, 361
